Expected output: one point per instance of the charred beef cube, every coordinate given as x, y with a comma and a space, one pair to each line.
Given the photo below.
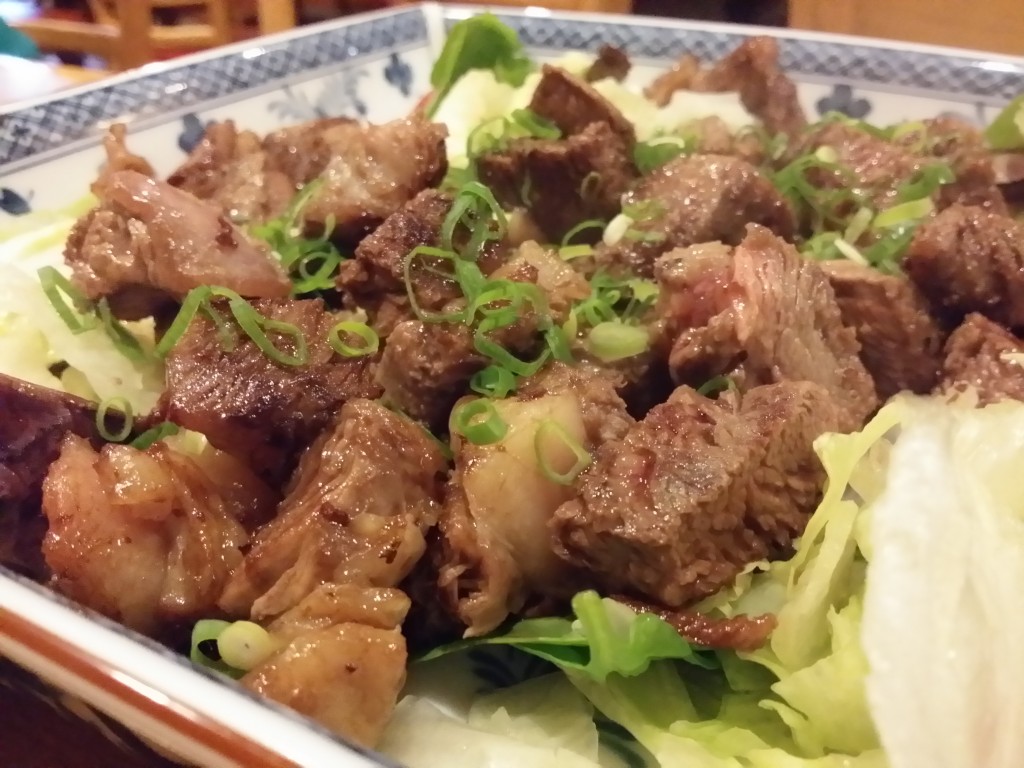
357, 510
960, 144
247, 404
148, 244
986, 358
373, 171
553, 178
34, 421
698, 490
900, 342
230, 168
572, 105
762, 314
753, 71
691, 200
611, 63
968, 259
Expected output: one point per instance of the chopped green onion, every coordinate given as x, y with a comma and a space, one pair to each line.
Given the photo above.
205, 651
651, 155
56, 287
583, 226
570, 252
904, 212
590, 186
614, 340
858, 225
245, 645
493, 381
155, 435
476, 208
827, 154
369, 337
186, 313
1006, 132
850, 252
551, 431
535, 125
716, 385
644, 210
925, 182
558, 343
506, 359
127, 419
427, 252
479, 422
122, 338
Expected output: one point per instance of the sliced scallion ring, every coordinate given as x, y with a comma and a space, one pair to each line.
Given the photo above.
580, 228
122, 405
570, 252
493, 381
369, 338
551, 432
244, 645
57, 287
154, 435
614, 340
904, 212
479, 422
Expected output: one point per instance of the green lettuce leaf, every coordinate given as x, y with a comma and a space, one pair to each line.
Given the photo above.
479, 42
604, 637
1006, 132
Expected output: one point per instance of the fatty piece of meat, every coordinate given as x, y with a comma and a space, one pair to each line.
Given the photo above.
119, 158
986, 358
552, 178
736, 633
249, 405
963, 146
147, 538
230, 168
357, 511
762, 314
372, 172
35, 420
300, 152
494, 550
675, 510
611, 62
753, 71
342, 660
148, 244
900, 342
572, 104
712, 136
691, 200
967, 259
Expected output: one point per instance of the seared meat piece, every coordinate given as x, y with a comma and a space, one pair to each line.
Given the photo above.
572, 105
146, 537
230, 169
900, 342
377, 273
426, 367
495, 549
342, 661
611, 62
247, 404
695, 199
737, 633
712, 136
764, 315
357, 511
551, 178
34, 422
967, 259
300, 151
372, 172
985, 357
696, 491
148, 244
119, 158
753, 71
960, 144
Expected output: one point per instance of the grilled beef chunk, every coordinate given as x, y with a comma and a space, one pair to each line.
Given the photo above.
968, 259
148, 244
960, 144
231, 169
697, 490
553, 178
572, 105
753, 71
762, 314
611, 62
35, 422
357, 510
300, 151
495, 549
426, 367
985, 357
900, 342
147, 537
690, 200
712, 136
342, 659
373, 171
737, 633
248, 404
